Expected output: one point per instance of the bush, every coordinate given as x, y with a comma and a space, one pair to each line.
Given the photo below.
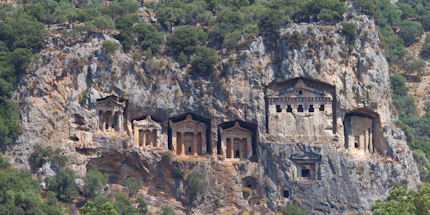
350, 30
137, 57
185, 39
133, 185
178, 172
204, 61
109, 46
270, 22
94, 181
410, 31
149, 36
42, 155
167, 210
196, 184
294, 210
63, 184
414, 66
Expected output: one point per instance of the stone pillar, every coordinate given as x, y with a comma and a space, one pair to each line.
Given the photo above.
104, 122
174, 143
204, 145
120, 123
228, 149
241, 150
248, 146
136, 136
112, 121
195, 144
182, 144
223, 146
144, 139
370, 142
366, 141
231, 148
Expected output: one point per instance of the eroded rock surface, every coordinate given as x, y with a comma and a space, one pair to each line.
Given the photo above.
322, 177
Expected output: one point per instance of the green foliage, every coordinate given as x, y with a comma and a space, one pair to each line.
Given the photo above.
137, 57
196, 184
103, 23
350, 30
94, 181
270, 22
109, 46
178, 172
398, 85
185, 39
167, 210
414, 66
149, 36
133, 185
204, 61
294, 40
42, 155
63, 184
123, 207
294, 210
372, 6
19, 193
125, 26
423, 164
402, 201
183, 59
410, 31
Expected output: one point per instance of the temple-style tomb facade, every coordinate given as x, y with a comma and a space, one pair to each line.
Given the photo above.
110, 114
188, 137
236, 142
146, 132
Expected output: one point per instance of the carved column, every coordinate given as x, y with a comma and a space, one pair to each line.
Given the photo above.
136, 136
366, 141
231, 148
174, 143
204, 150
195, 144
144, 139
370, 142
182, 143
104, 122
228, 148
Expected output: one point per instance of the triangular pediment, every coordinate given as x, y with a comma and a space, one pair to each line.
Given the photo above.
236, 128
147, 123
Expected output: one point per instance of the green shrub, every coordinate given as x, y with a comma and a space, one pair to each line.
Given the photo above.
167, 210
195, 184
185, 39
109, 46
63, 184
294, 210
41, 155
133, 185
178, 172
350, 30
94, 181
204, 61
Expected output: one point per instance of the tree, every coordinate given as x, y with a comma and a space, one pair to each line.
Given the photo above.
123, 208
63, 184
41, 155
402, 201
350, 30
294, 210
398, 84
109, 46
103, 23
270, 22
107, 209
410, 31
149, 36
94, 181
167, 210
133, 185
196, 185
186, 38
204, 61
88, 209
4, 163
414, 66
125, 26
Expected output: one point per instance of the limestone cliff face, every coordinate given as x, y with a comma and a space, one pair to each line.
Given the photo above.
54, 111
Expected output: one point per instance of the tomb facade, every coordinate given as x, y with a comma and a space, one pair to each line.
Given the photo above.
300, 111
307, 166
110, 115
188, 137
236, 142
359, 134
146, 132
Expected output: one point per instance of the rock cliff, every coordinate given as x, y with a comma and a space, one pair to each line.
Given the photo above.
57, 106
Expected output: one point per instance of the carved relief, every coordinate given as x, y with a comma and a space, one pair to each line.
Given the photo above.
146, 132
236, 142
299, 113
110, 114
188, 137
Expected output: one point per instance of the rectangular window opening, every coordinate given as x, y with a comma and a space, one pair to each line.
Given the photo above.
300, 92
306, 173
311, 108
300, 109
286, 194
322, 108
289, 109
189, 149
237, 153
278, 108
